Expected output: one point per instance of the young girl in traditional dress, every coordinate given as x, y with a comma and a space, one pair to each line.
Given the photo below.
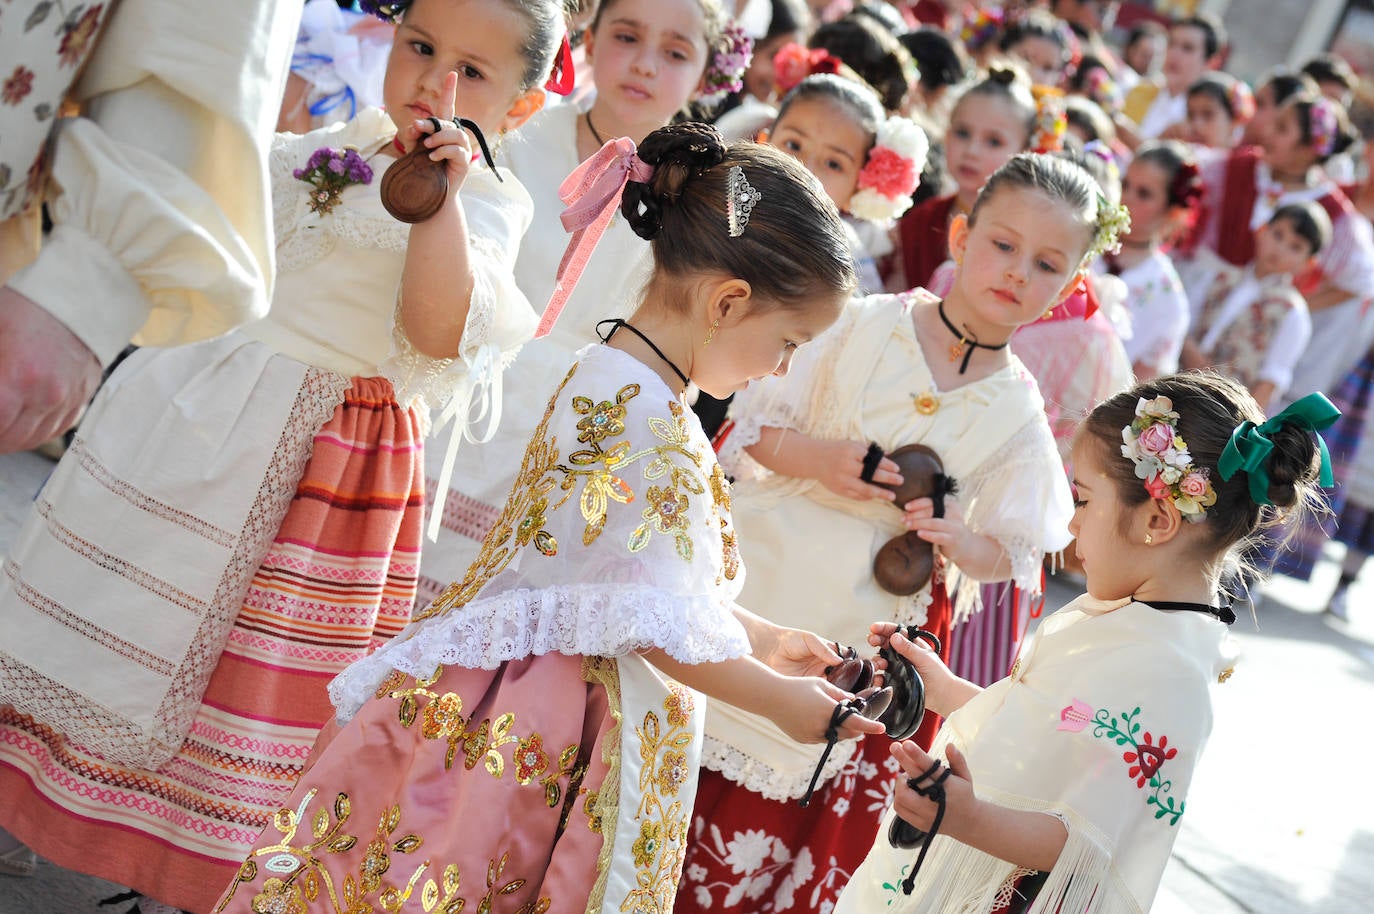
532, 740
1066, 781
1163, 191
1243, 192
992, 121
1219, 107
868, 163
241, 519
1253, 324
810, 525
648, 60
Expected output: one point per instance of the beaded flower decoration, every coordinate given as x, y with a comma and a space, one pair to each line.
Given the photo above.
726, 72
892, 171
1242, 102
1051, 120
1162, 460
1113, 221
329, 171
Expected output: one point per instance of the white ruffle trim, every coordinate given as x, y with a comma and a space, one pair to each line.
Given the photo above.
578, 619
761, 778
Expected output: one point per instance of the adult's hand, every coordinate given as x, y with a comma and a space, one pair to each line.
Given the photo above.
46, 374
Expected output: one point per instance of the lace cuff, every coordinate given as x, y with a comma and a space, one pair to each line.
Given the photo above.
578, 619
753, 774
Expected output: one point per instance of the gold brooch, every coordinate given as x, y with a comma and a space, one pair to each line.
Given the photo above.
926, 403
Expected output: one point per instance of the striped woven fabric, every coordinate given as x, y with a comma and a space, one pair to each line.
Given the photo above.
338, 580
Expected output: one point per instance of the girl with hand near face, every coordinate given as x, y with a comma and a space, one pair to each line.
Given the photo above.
533, 738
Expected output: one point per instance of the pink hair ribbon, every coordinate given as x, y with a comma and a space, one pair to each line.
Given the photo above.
592, 194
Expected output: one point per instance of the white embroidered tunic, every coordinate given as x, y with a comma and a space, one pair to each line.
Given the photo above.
811, 552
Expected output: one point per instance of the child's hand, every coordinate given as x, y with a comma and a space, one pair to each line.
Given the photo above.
950, 532
805, 713
801, 653
839, 465
960, 800
933, 671
450, 144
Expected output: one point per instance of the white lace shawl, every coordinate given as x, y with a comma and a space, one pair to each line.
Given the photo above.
1018, 495
616, 537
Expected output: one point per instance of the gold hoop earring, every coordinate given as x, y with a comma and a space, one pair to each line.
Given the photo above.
711, 333
1149, 539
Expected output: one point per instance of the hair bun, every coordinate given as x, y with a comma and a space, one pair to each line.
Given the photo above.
1293, 465
1003, 74
678, 152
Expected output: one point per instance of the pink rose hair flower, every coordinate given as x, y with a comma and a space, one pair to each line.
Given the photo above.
1162, 461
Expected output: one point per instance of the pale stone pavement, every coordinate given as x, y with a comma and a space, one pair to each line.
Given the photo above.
1281, 815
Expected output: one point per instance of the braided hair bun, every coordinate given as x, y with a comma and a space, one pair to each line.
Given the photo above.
678, 153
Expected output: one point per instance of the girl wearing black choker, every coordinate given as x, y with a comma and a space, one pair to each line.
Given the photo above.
1083, 755
811, 515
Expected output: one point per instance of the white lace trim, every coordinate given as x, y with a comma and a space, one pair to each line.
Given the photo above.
580, 619
741, 768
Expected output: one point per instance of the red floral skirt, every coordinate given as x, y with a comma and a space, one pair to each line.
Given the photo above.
751, 854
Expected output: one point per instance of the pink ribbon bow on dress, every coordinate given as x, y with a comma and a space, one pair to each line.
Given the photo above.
592, 194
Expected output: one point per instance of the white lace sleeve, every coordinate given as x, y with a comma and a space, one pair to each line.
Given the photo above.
615, 538
785, 402
1020, 497
466, 391
499, 315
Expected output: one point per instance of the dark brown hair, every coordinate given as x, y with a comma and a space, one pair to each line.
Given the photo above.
1209, 408
871, 51
794, 247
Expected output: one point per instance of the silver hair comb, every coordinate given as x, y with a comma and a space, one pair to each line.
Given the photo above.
740, 199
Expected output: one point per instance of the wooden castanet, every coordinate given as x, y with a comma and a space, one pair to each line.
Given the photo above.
415, 187
905, 563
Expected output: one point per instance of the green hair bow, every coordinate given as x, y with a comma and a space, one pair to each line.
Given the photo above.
1250, 447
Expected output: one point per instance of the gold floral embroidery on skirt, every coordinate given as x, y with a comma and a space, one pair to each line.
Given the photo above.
301, 878
441, 717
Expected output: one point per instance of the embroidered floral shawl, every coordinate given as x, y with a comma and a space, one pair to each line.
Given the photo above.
616, 537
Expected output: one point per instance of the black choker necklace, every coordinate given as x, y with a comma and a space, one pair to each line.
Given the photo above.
1224, 613
599, 142
967, 341
617, 323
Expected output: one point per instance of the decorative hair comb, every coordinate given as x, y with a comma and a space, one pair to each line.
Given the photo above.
740, 197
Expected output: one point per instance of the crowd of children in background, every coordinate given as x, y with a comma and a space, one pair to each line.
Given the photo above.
1038, 210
